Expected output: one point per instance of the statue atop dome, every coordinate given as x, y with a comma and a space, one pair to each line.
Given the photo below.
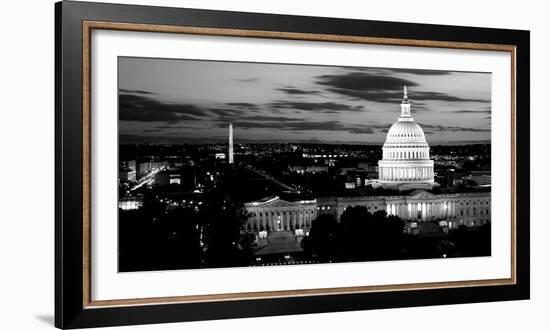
405, 105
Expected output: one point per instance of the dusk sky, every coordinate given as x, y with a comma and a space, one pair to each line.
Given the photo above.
192, 101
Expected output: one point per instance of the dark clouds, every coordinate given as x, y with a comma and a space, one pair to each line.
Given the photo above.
297, 91
127, 91
442, 128
321, 107
361, 81
269, 118
136, 107
374, 96
473, 111
436, 96
384, 89
393, 71
243, 105
395, 97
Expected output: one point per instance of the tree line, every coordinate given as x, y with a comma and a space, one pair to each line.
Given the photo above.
360, 235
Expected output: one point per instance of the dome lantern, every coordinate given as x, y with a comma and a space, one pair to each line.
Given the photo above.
405, 104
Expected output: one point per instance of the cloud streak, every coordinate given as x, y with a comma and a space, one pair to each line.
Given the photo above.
297, 91
320, 107
133, 107
442, 128
361, 81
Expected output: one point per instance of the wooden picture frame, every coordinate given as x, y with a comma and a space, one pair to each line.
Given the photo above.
75, 21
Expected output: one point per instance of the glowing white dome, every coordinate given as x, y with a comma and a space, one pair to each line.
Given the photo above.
405, 132
406, 153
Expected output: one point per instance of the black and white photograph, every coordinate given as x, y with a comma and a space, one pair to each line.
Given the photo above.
241, 164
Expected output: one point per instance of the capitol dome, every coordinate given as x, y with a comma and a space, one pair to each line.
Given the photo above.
406, 153
405, 132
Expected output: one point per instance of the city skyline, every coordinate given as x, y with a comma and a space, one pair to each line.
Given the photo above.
169, 101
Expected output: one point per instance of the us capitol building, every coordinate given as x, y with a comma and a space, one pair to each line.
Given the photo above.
406, 169
406, 162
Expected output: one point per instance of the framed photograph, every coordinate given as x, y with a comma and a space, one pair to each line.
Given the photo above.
214, 164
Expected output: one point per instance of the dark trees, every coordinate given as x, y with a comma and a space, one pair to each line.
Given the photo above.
359, 236
222, 220
152, 241
323, 242
473, 242
196, 235
371, 236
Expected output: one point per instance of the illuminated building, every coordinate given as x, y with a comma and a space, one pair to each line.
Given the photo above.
167, 177
275, 214
406, 162
127, 174
130, 203
469, 209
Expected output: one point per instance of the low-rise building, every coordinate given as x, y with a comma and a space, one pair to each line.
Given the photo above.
127, 174
469, 209
130, 203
